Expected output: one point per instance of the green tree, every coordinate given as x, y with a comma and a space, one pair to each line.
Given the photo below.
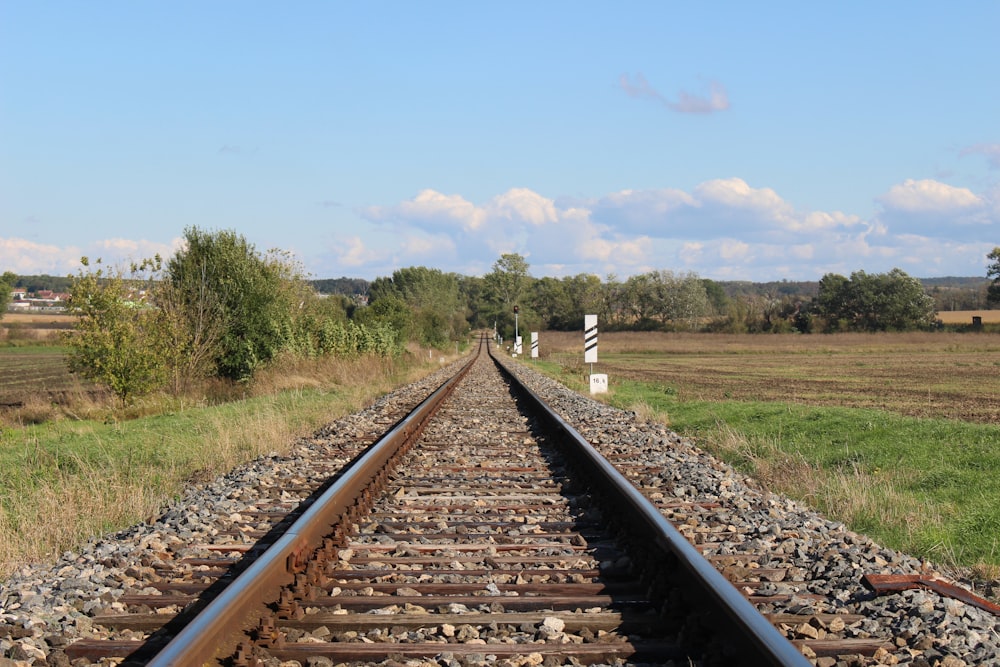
874, 302
252, 298
118, 340
472, 292
390, 311
434, 299
638, 299
585, 297
661, 298
193, 321
550, 302
506, 285
614, 302
993, 272
678, 299
7, 281
717, 298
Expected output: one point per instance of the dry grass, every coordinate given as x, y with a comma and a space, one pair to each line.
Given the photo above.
34, 327
951, 375
38, 319
39, 526
915, 468
64, 481
965, 316
631, 342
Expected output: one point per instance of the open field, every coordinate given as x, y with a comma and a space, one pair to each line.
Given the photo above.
898, 435
43, 319
33, 326
28, 370
955, 376
965, 316
37, 376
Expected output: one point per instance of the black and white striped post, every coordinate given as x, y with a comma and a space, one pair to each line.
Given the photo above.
598, 381
590, 339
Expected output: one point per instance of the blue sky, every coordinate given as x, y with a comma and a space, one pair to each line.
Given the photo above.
738, 141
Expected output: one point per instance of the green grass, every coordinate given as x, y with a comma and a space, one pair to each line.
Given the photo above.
118, 473
929, 487
63, 481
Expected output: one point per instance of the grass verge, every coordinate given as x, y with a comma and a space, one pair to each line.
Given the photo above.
928, 487
63, 481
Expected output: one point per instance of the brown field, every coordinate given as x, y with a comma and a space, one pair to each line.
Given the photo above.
33, 372
33, 378
37, 319
948, 375
965, 316
34, 326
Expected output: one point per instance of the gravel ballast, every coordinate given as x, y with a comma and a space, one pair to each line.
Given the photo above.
43, 607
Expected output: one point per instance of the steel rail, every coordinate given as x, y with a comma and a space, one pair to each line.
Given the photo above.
201, 640
774, 648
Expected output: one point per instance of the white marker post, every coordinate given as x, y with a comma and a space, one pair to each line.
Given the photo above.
534, 344
598, 381
590, 339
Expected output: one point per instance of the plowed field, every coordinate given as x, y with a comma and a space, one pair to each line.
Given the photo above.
947, 375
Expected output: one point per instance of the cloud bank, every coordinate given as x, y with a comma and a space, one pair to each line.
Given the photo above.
725, 229
25, 257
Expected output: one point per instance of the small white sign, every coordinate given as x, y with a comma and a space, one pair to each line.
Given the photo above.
517, 345
599, 383
534, 344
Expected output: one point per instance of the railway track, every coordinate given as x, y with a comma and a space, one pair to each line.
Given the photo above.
489, 542
469, 535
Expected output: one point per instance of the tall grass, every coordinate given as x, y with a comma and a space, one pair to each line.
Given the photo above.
63, 481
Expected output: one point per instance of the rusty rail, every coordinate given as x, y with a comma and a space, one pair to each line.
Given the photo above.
772, 646
200, 641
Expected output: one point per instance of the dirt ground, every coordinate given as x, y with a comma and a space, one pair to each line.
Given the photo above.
955, 376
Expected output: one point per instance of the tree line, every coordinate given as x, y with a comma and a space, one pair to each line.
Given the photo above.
221, 309
433, 307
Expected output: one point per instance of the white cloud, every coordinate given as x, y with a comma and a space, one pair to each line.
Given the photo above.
721, 228
816, 221
719, 207
26, 257
119, 250
928, 195
431, 209
724, 228
521, 204
737, 193
933, 209
438, 245
353, 252
734, 250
